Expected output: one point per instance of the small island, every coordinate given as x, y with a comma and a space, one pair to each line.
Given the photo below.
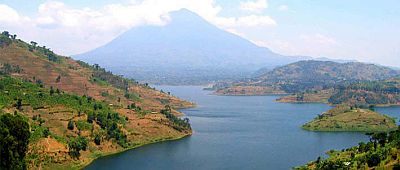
351, 118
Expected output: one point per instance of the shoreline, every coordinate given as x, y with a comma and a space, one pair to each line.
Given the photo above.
85, 164
265, 94
178, 109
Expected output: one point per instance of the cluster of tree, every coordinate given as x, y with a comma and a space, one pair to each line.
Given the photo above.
14, 139
6, 38
181, 124
7, 69
134, 107
382, 149
115, 80
51, 56
109, 121
77, 144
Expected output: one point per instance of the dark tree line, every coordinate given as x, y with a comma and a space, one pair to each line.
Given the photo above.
181, 124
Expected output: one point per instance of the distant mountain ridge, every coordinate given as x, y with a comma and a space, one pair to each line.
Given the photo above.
187, 49
308, 75
312, 70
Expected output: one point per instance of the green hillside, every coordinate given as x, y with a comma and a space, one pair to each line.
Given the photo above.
351, 118
75, 112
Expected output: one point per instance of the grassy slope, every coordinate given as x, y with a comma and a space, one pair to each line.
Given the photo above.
344, 118
77, 79
320, 96
140, 127
248, 91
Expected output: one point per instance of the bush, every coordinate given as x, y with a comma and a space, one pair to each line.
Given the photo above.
76, 145
46, 132
373, 159
82, 125
97, 139
71, 125
4, 41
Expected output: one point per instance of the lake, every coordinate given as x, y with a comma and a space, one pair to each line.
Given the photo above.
238, 132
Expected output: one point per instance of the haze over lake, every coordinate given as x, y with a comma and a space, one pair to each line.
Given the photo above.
237, 132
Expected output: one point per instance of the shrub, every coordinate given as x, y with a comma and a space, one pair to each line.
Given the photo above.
71, 125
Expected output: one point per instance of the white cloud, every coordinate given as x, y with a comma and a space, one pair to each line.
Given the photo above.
283, 8
71, 30
8, 14
254, 6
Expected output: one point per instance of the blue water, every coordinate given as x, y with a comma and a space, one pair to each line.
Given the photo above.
238, 132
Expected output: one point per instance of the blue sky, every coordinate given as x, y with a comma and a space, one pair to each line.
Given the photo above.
364, 30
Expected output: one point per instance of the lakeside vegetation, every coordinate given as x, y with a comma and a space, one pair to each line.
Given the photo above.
351, 118
381, 152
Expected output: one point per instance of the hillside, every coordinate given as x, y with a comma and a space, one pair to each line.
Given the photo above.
350, 118
186, 50
311, 75
385, 92
381, 152
316, 96
77, 112
379, 93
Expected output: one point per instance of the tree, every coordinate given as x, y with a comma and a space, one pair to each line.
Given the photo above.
97, 139
58, 79
33, 43
90, 117
51, 90
76, 145
373, 159
71, 125
14, 137
6, 33
58, 91
46, 132
4, 41
379, 138
18, 105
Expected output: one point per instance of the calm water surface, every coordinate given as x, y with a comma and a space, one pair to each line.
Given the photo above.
238, 132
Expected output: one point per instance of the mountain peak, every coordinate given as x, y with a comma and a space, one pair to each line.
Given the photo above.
185, 16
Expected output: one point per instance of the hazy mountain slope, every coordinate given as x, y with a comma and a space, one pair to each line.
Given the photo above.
187, 47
